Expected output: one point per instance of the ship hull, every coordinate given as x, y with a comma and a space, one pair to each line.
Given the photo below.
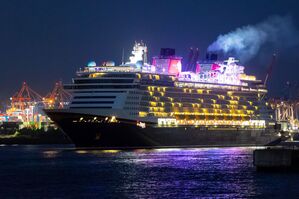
86, 131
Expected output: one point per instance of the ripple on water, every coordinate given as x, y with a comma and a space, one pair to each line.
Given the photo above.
47, 171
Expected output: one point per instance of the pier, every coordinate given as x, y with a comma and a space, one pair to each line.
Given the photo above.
276, 159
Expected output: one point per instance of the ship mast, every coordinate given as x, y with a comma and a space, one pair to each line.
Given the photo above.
123, 57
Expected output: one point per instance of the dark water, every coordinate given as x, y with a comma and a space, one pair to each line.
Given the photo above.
61, 172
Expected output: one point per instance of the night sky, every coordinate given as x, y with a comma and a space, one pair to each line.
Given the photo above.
45, 41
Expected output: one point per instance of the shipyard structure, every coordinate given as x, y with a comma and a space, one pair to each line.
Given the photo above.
165, 103
26, 108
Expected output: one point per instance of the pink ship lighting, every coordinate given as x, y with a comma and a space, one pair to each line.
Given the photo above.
167, 63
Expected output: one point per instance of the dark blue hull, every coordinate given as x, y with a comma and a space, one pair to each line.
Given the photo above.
85, 131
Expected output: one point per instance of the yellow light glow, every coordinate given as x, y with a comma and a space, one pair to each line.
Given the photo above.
229, 93
170, 99
199, 91
153, 103
234, 102
142, 114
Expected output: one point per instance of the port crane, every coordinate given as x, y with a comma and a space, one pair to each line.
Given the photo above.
270, 68
58, 97
23, 103
25, 98
286, 109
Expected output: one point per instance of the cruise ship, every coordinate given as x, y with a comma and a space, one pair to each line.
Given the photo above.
138, 104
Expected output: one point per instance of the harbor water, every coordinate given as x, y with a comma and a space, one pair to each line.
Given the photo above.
62, 172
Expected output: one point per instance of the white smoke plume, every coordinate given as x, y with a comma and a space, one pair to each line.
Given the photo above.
245, 42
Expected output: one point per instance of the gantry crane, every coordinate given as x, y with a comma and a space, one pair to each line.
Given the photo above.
58, 97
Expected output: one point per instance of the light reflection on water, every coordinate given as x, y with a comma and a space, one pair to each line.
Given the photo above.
50, 154
59, 171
